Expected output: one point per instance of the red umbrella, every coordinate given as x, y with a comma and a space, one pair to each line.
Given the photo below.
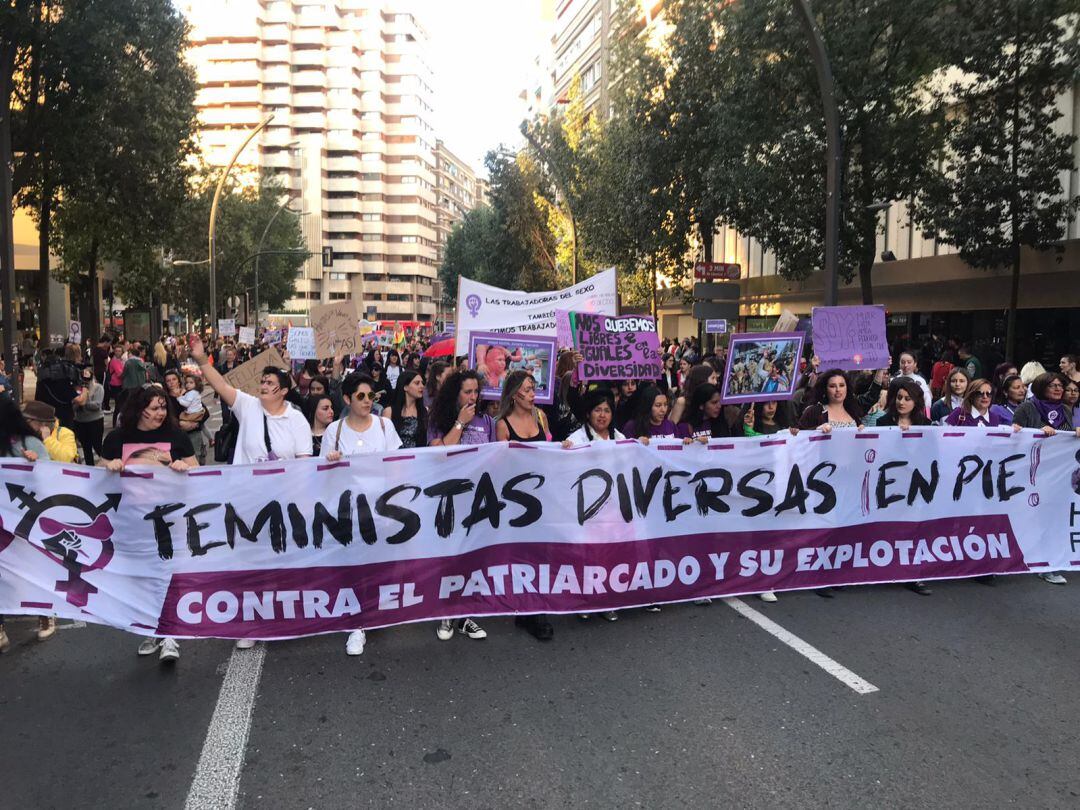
444, 348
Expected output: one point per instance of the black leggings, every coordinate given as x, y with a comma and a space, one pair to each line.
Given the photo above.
89, 435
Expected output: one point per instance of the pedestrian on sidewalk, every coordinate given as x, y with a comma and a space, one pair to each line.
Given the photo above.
89, 418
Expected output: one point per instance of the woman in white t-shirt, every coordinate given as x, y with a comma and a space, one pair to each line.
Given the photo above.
357, 432
270, 428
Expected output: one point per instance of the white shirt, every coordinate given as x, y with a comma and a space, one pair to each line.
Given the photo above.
579, 436
290, 433
378, 438
392, 373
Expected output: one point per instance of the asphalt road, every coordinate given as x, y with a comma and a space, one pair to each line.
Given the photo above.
976, 705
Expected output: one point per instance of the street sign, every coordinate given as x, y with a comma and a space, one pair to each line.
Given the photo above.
717, 326
717, 271
328, 256
716, 291
716, 310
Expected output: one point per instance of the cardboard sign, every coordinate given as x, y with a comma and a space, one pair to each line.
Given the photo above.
563, 333
75, 332
616, 347
787, 322
301, 345
247, 335
226, 327
245, 377
335, 326
850, 337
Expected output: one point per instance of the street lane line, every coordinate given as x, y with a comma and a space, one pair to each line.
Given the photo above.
217, 776
834, 668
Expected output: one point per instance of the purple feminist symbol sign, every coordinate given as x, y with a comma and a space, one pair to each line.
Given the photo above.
472, 303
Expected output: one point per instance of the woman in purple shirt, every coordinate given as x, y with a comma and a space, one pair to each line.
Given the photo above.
651, 418
974, 409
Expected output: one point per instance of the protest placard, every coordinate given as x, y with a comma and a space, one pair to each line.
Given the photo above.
483, 308
245, 377
850, 337
247, 335
335, 326
301, 345
787, 322
272, 337
616, 348
761, 367
496, 354
226, 327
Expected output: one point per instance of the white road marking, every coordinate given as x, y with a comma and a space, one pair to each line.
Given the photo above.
217, 776
834, 668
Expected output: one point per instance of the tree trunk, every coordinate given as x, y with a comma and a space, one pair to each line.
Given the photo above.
44, 228
7, 236
1014, 304
90, 317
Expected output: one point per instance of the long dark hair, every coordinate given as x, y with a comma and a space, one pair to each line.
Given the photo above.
782, 417
311, 404
851, 405
13, 426
642, 412
913, 390
444, 410
434, 370
138, 400
696, 376
694, 415
397, 406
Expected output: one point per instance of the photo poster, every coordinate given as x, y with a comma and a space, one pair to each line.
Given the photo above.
226, 327
246, 376
850, 338
247, 336
301, 345
495, 354
625, 347
146, 453
336, 328
761, 367
272, 337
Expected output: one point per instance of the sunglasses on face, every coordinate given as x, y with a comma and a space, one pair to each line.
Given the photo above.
983, 394
365, 395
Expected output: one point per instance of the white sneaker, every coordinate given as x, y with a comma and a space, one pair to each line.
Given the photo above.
149, 646
445, 630
245, 643
354, 645
170, 650
583, 616
1054, 578
610, 615
471, 629
767, 596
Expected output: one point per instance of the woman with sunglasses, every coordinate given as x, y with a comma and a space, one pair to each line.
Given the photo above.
1046, 411
975, 410
358, 432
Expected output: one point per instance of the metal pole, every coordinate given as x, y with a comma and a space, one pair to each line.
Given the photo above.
258, 252
212, 235
7, 227
834, 147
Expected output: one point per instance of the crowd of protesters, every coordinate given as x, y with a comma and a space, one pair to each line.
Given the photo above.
158, 400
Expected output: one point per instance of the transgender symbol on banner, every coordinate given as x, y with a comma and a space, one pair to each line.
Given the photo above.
56, 527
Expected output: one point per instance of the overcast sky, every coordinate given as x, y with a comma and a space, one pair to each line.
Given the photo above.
481, 53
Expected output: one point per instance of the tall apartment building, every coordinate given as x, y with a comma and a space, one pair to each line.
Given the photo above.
351, 139
582, 46
455, 194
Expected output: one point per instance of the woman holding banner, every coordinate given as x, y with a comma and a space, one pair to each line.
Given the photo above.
834, 406
407, 411
356, 433
651, 418
956, 385
975, 408
697, 375
454, 421
904, 406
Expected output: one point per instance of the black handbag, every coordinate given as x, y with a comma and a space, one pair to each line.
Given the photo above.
225, 441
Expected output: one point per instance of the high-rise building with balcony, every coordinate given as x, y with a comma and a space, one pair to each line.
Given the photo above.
351, 139
455, 194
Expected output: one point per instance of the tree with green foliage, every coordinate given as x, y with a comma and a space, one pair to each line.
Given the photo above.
470, 251
1001, 189
105, 113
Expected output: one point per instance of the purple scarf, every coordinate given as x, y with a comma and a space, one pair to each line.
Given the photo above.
1052, 413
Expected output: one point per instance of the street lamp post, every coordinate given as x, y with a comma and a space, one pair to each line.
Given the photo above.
834, 147
212, 235
284, 206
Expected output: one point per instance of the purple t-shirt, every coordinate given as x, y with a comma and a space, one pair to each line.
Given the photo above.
665, 430
480, 430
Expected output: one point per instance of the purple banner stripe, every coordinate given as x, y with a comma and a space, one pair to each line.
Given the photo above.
906, 435
522, 446
1074, 562
669, 447
130, 474
142, 626
774, 442
272, 471
1000, 435
76, 473
399, 458
19, 467
824, 437
465, 450
867, 435
721, 447
626, 441
204, 472
331, 466
951, 435
1038, 565
42, 605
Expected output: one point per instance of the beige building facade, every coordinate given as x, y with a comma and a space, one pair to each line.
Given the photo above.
351, 139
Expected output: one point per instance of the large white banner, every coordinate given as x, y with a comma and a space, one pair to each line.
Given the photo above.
483, 308
284, 549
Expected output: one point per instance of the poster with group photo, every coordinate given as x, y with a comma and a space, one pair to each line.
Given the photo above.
495, 354
762, 367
